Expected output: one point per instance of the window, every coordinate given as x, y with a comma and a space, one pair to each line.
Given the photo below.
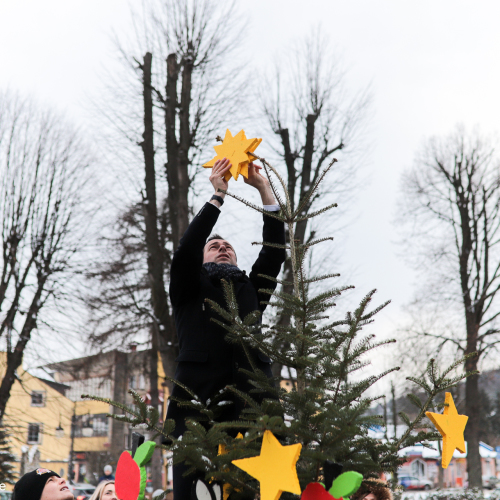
97, 386
38, 398
142, 382
94, 425
132, 382
34, 433
418, 468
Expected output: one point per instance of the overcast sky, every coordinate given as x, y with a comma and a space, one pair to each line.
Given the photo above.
431, 64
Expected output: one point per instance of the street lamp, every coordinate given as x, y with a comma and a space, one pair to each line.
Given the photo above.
71, 474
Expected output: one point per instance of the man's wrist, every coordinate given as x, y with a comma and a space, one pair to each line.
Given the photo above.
217, 202
267, 196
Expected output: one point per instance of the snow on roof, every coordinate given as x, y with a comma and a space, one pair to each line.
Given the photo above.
485, 451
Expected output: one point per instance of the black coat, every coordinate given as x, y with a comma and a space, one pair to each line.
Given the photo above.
207, 362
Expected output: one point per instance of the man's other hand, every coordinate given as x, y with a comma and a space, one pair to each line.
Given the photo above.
256, 179
217, 176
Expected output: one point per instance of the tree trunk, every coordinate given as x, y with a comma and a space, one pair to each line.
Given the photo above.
155, 403
440, 468
15, 358
172, 165
472, 411
184, 144
166, 342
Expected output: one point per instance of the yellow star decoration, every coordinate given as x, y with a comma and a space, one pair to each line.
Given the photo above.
274, 468
226, 488
451, 425
238, 150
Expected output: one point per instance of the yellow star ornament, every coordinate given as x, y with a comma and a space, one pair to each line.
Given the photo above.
226, 488
274, 468
451, 425
238, 150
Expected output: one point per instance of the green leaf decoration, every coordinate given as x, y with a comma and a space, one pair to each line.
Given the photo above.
144, 453
346, 484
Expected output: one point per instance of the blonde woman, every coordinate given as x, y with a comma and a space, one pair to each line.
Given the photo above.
105, 491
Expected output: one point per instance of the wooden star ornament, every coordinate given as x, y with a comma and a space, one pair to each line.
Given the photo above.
451, 426
226, 488
238, 150
274, 468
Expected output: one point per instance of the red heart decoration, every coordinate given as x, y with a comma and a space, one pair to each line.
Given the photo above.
315, 491
127, 478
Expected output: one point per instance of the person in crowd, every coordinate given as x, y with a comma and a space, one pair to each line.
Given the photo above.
108, 474
373, 489
105, 491
207, 362
42, 484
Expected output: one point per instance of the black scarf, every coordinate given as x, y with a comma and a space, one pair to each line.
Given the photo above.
217, 272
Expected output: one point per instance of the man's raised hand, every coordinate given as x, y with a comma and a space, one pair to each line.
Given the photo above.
217, 176
255, 178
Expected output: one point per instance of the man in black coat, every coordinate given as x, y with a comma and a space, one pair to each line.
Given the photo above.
206, 362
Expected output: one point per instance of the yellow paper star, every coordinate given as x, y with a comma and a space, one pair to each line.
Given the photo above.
226, 488
274, 468
238, 150
451, 426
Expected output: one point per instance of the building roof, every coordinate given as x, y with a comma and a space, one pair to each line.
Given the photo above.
485, 451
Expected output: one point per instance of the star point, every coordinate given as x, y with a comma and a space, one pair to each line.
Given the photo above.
274, 468
451, 426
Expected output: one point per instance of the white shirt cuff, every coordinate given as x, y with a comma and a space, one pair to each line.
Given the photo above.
272, 208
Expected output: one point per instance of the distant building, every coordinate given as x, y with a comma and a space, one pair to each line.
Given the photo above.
100, 440
424, 462
38, 421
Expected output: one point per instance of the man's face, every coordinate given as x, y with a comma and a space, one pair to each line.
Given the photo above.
220, 252
56, 488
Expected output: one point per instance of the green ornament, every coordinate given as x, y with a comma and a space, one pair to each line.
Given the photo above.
346, 484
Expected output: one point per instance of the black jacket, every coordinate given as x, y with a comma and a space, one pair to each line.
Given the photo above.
206, 362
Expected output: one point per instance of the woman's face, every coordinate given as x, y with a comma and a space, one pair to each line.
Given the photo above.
370, 496
108, 493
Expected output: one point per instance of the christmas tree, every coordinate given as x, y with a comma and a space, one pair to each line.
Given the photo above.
325, 412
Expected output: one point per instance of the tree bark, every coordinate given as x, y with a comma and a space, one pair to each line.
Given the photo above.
172, 165
155, 464
472, 411
185, 142
15, 358
166, 341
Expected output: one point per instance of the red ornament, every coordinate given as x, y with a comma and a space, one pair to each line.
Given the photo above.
315, 491
127, 478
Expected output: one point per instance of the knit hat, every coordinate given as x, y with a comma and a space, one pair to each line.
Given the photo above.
31, 485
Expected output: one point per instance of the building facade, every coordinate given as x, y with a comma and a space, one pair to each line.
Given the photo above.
38, 421
100, 440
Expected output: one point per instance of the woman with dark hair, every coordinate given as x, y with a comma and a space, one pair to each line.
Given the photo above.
373, 489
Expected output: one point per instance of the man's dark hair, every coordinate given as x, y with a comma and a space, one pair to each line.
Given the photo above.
215, 237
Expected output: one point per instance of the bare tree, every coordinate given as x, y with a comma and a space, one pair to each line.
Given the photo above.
180, 88
314, 118
451, 202
170, 104
44, 170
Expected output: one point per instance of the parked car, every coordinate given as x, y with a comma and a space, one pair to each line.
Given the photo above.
490, 482
82, 491
414, 483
